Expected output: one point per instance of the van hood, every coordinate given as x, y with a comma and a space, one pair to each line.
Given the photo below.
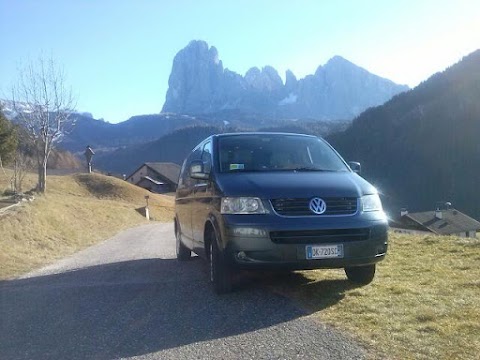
281, 184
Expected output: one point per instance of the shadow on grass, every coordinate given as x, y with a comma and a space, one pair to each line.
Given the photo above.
100, 187
141, 210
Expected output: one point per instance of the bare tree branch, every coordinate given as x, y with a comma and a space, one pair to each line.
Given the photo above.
44, 106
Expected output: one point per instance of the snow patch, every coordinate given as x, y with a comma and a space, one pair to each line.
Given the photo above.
290, 99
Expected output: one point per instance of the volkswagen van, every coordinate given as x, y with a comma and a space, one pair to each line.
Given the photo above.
277, 201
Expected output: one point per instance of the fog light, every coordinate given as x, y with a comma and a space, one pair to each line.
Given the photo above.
382, 249
241, 255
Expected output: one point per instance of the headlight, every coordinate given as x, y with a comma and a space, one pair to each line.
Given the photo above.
242, 205
371, 203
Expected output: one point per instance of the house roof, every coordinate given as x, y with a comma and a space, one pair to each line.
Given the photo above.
148, 178
170, 171
396, 222
452, 222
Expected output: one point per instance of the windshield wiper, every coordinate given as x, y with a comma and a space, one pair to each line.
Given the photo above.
307, 168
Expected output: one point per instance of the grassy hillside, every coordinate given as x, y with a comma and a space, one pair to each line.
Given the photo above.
77, 211
423, 304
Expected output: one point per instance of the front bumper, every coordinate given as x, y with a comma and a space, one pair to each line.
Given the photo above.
249, 242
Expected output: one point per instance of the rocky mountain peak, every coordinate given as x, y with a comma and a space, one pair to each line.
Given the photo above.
196, 73
339, 66
290, 80
197, 44
266, 79
199, 84
338, 60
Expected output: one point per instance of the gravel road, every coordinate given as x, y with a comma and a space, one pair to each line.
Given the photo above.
129, 298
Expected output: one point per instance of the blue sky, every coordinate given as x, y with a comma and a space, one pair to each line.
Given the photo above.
118, 54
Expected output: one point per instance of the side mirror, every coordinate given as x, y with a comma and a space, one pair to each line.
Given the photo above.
197, 170
355, 166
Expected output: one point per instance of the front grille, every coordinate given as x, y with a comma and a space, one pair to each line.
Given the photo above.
300, 207
319, 236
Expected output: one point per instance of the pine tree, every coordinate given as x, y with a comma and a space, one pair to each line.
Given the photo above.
8, 140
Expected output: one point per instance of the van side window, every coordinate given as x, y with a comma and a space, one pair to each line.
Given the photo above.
207, 157
185, 179
181, 180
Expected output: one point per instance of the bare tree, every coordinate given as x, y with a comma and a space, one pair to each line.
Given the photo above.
21, 166
45, 105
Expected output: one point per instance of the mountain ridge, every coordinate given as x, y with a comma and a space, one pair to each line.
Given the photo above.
199, 84
421, 146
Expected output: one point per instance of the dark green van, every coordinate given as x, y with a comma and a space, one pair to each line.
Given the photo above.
277, 201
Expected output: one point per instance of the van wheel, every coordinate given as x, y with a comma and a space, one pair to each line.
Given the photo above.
183, 253
361, 274
220, 272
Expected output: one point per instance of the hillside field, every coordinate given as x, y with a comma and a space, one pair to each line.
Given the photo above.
77, 211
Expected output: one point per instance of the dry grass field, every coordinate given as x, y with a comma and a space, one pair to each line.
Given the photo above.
77, 211
423, 304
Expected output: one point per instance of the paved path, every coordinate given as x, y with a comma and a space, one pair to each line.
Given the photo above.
129, 298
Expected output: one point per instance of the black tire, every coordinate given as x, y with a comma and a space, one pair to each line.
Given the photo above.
220, 271
361, 274
183, 253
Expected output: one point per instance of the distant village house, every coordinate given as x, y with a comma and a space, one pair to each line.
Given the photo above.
447, 221
156, 177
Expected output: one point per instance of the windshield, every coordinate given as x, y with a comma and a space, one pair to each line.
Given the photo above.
277, 152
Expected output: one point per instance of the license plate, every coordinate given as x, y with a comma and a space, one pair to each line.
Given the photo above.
324, 251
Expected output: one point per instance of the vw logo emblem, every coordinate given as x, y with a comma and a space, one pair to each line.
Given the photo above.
317, 206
